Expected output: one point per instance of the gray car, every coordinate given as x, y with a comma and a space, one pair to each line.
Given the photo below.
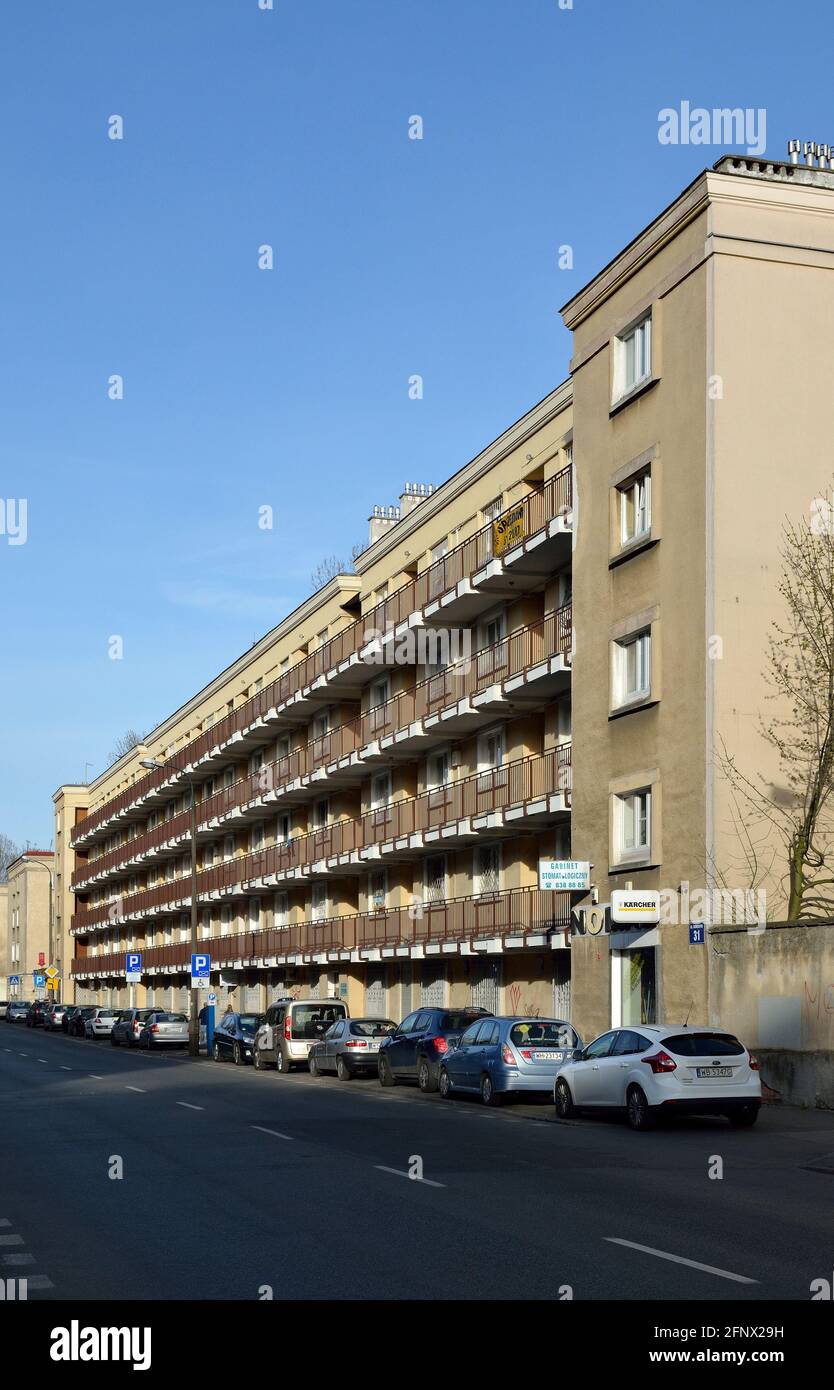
163, 1029
17, 1012
128, 1026
350, 1047
499, 1057
55, 1019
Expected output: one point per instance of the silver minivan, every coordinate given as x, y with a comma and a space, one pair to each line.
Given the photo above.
291, 1027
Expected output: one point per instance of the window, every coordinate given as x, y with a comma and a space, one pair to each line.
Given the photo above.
632, 667
280, 912
321, 814
257, 837
490, 749
282, 746
635, 509
377, 890
321, 724
254, 914
319, 901
283, 829
633, 363
438, 771
380, 790
487, 868
225, 921
600, 1047
492, 510
634, 823
380, 693
435, 878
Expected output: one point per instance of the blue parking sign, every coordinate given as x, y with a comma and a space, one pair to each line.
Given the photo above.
40, 981
200, 967
696, 933
133, 967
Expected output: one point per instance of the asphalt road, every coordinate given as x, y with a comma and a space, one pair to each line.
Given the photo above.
234, 1180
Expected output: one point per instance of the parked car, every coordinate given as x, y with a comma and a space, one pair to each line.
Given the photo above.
163, 1029
37, 1014
4, 1007
99, 1024
289, 1029
350, 1047
501, 1057
78, 1018
55, 1018
654, 1070
414, 1051
128, 1026
18, 1011
66, 1021
234, 1038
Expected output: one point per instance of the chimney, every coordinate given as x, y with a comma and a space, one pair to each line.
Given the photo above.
380, 522
412, 495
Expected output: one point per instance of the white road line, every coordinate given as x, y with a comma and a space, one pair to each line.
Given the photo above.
427, 1182
39, 1281
4, 1221
18, 1259
276, 1133
93, 1076
11, 1240
7, 1049
42, 1059
63, 1068
186, 1106
136, 1088
23, 1054
679, 1260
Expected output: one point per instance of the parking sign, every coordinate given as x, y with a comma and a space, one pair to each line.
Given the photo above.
200, 967
133, 967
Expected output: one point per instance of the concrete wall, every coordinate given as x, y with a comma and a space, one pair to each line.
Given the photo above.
775, 989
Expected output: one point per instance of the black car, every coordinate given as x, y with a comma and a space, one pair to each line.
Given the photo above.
75, 1027
37, 1014
234, 1037
69, 1016
415, 1050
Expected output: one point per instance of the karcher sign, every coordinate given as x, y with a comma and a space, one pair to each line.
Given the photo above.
641, 909
508, 530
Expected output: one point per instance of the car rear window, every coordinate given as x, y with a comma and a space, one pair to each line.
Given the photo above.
174, 1018
456, 1022
250, 1020
371, 1027
306, 1018
541, 1033
703, 1045
108, 1013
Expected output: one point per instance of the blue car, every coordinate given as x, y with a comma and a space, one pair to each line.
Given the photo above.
499, 1057
234, 1038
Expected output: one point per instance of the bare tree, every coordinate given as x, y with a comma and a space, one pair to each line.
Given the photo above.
799, 674
8, 852
123, 745
332, 565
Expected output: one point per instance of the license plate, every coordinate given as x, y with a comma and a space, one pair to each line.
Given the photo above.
548, 1056
713, 1071
373, 1047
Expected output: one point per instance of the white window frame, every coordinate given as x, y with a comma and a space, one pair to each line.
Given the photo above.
641, 644
633, 807
638, 493
635, 344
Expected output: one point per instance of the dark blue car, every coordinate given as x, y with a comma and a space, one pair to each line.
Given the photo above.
415, 1050
234, 1037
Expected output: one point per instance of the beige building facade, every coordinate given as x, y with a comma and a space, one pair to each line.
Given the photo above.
28, 942
534, 661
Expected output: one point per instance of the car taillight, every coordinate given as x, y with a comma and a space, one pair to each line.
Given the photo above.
154, 1027
440, 1045
508, 1056
660, 1062
356, 1043
753, 1063
136, 1025
287, 1028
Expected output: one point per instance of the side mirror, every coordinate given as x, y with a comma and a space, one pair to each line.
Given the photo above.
578, 1054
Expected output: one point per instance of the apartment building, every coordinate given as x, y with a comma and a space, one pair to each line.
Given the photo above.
27, 942
536, 659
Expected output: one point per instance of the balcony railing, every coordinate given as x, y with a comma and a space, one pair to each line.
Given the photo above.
538, 507
514, 784
518, 911
522, 649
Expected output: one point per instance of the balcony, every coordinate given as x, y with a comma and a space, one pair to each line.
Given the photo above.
544, 527
520, 795
527, 668
511, 919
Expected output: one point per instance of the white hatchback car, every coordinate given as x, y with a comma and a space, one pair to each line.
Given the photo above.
649, 1070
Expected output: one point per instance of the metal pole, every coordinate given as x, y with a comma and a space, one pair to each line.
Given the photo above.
193, 1024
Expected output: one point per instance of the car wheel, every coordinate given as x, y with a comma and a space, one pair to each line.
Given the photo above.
489, 1095
744, 1117
313, 1066
425, 1080
343, 1071
563, 1100
386, 1076
445, 1086
638, 1110
237, 1055
282, 1062
114, 1042
216, 1053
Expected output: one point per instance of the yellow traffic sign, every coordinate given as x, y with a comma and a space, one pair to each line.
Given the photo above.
51, 972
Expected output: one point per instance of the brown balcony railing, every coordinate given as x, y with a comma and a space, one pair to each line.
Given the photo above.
514, 784
538, 507
522, 649
515, 911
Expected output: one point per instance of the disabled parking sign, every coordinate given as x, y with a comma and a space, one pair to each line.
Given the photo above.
200, 968
133, 967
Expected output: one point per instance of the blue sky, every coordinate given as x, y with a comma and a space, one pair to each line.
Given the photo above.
288, 387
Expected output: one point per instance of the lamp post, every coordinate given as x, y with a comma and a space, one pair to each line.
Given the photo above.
49, 933
193, 1015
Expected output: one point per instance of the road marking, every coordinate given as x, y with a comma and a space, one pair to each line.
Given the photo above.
93, 1076
18, 1259
63, 1068
39, 1281
4, 1221
7, 1049
11, 1240
427, 1182
679, 1260
276, 1133
42, 1059
186, 1106
23, 1054
136, 1088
